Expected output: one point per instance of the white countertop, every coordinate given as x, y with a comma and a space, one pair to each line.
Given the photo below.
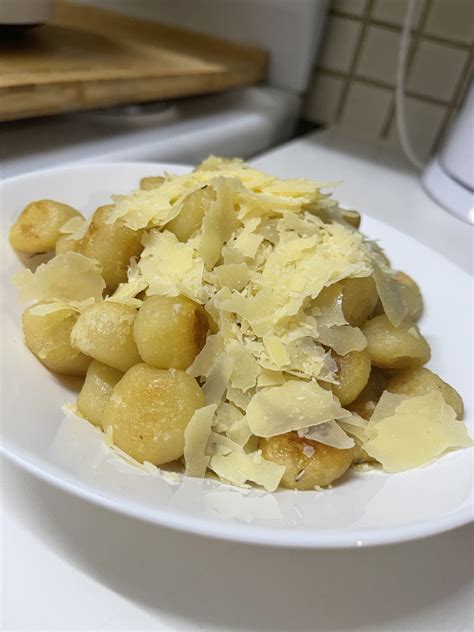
68, 565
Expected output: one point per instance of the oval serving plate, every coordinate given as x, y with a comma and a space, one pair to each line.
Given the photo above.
364, 508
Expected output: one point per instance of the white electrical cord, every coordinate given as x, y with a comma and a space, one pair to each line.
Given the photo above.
400, 111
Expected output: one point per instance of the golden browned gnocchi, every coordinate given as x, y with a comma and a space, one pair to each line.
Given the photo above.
411, 295
365, 402
149, 410
392, 347
96, 391
111, 244
170, 331
351, 217
308, 463
413, 382
38, 227
352, 375
151, 182
359, 298
48, 336
104, 332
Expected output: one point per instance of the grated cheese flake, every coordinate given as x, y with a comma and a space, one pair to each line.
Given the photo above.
69, 276
239, 467
293, 406
171, 267
330, 433
245, 368
218, 223
196, 437
420, 429
218, 378
342, 338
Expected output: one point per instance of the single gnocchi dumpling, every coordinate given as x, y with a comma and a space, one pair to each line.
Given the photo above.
359, 298
170, 331
38, 227
367, 399
308, 463
411, 295
352, 375
96, 391
392, 347
149, 410
112, 245
415, 382
48, 336
104, 332
151, 182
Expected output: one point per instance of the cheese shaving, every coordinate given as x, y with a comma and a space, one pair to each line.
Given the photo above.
330, 433
238, 468
420, 429
170, 267
293, 406
196, 437
343, 338
67, 277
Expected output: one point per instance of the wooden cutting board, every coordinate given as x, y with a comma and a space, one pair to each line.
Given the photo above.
88, 57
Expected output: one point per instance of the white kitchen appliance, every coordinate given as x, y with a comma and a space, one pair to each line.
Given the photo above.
241, 122
449, 178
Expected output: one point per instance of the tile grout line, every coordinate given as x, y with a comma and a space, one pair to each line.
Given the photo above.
381, 84
388, 26
355, 58
453, 106
416, 38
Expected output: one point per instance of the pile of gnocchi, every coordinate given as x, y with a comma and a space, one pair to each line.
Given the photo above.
238, 324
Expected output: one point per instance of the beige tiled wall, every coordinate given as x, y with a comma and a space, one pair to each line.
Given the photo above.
353, 83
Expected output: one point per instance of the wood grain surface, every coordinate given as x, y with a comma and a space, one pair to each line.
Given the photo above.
88, 57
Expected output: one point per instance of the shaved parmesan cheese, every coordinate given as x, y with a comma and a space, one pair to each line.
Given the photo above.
126, 292
239, 432
155, 207
233, 275
390, 295
238, 397
386, 407
42, 309
170, 267
68, 276
293, 406
238, 468
196, 436
270, 378
343, 338
221, 444
218, 223
76, 226
207, 357
245, 368
218, 379
276, 351
330, 433
227, 415
420, 429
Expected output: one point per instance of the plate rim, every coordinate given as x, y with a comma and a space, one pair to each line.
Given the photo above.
272, 537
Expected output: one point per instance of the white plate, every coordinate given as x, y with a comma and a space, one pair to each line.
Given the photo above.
362, 509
